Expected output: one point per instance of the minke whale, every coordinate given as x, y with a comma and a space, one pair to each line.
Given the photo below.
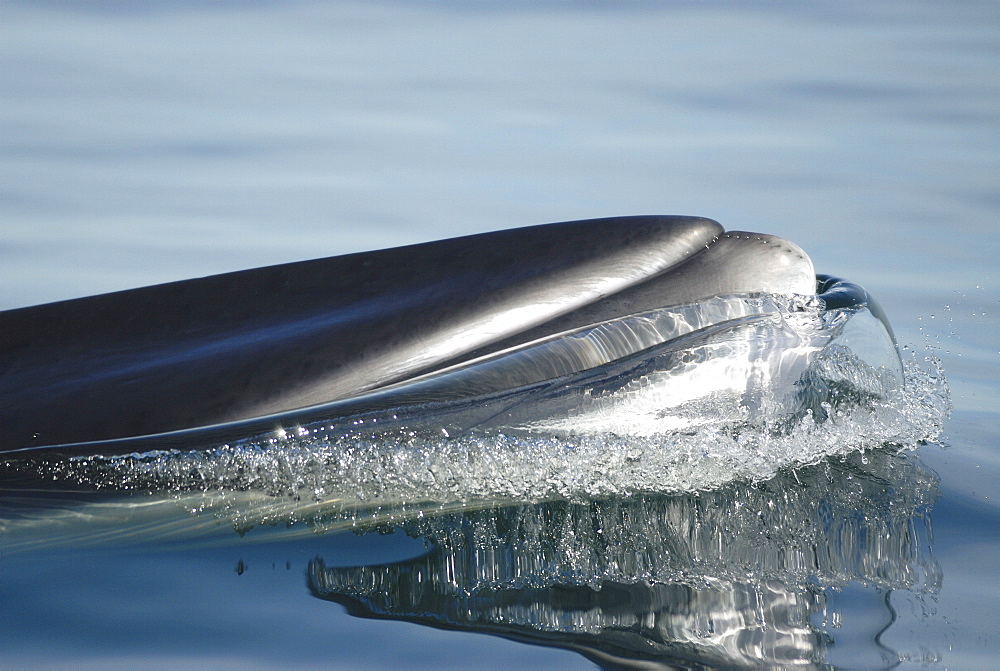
236, 353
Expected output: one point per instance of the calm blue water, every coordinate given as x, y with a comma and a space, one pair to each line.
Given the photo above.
142, 143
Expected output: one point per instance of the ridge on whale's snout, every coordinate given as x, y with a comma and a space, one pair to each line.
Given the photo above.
241, 345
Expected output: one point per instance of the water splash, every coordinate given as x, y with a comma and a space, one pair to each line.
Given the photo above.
775, 383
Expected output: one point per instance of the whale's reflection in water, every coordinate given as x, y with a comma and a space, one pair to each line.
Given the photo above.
740, 576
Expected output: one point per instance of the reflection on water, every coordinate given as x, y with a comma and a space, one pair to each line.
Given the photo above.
735, 577
797, 570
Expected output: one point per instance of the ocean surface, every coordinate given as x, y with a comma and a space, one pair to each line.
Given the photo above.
145, 142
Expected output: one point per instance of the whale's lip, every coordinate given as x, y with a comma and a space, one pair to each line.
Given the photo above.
838, 293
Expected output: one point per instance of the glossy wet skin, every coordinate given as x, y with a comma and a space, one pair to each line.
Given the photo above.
258, 342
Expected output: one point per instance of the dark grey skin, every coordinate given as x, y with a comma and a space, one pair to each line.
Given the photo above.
232, 347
